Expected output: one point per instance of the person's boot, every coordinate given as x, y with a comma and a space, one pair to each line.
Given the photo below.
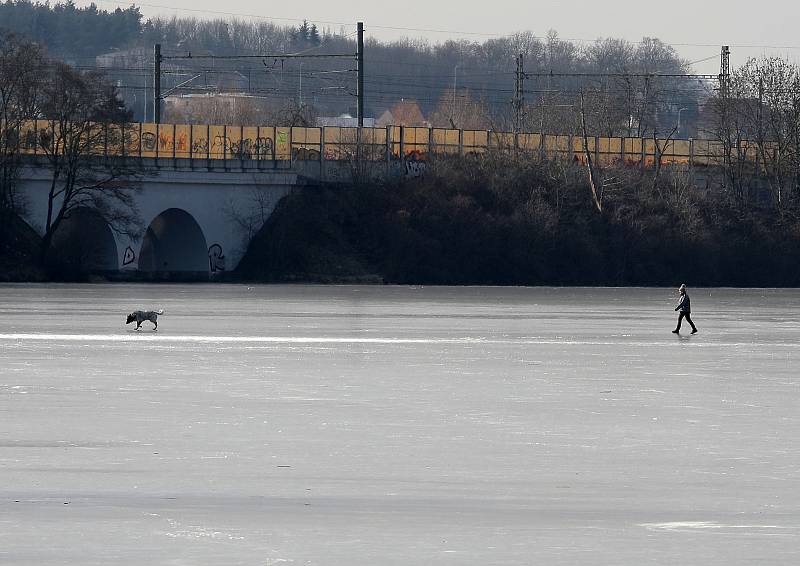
676, 331
694, 330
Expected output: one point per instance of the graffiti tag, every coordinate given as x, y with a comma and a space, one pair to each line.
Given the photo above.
415, 165
129, 256
148, 141
264, 147
216, 259
305, 154
200, 146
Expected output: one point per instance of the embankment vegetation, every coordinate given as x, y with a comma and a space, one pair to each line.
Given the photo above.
506, 220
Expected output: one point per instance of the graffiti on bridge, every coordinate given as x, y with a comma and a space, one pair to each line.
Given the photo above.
415, 169
415, 164
168, 143
220, 147
265, 147
129, 256
30, 139
200, 147
345, 144
148, 141
216, 259
246, 148
305, 154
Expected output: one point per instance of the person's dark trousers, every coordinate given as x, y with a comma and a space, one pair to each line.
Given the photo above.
688, 317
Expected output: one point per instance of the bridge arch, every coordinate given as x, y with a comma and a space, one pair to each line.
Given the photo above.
174, 242
83, 244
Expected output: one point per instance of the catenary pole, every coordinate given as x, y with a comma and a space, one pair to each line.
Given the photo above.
157, 83
360, 71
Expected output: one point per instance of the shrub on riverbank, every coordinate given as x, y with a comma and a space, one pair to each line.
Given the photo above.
500, 220
19, 248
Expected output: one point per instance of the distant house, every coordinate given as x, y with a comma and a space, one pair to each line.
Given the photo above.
343, 121
130, 58
186, 103
384, 119
216, 108
404, 113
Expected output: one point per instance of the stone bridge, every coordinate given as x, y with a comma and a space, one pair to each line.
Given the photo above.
196, 223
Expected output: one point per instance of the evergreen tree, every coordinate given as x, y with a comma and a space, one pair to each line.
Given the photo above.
313, 35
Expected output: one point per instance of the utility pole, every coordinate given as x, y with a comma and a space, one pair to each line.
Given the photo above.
761, 135
641, 131
300, 104
455, 89
549, 88
519, 94
724, 70
157, 83
144, 103
760, 103
360, 72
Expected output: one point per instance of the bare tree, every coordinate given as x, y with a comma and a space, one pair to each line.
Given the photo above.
251, 218
595, 183
660, 146
297, 115
460, 110
735, 157
80, 108
769, 92
21, 66
755, 119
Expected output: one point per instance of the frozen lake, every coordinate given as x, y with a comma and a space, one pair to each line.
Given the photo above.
375, 426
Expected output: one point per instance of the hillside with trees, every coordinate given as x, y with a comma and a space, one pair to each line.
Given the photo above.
76, 34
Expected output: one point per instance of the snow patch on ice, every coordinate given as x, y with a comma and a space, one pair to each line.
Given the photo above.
687, 526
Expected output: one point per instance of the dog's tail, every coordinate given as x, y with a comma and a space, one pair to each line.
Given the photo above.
160, 311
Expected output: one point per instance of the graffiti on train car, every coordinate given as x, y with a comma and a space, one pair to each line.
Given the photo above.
371, 144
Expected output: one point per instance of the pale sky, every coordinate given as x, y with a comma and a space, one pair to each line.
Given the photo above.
696, 28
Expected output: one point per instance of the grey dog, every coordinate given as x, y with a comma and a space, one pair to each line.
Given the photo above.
140, 316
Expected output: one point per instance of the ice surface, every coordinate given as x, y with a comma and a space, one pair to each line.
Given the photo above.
281, 425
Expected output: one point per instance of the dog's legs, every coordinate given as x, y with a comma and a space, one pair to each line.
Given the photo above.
138, 325
156, 326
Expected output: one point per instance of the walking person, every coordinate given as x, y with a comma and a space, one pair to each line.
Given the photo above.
685, 308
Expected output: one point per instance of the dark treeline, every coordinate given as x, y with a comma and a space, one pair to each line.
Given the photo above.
466, 84
70, 31
508, 221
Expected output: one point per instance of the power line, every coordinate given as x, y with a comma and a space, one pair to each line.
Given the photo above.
267, 56
625, 75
